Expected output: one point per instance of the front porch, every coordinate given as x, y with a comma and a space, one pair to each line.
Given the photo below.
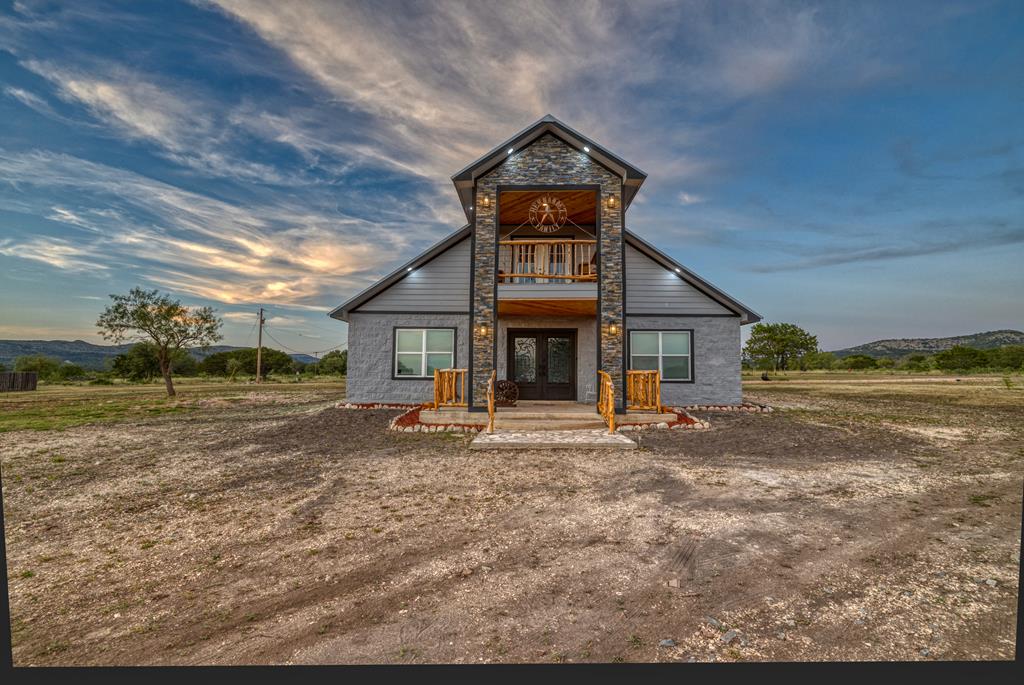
533, 415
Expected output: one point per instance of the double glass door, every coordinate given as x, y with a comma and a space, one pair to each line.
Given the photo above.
543, 363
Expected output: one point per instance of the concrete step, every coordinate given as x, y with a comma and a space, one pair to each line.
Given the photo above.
551, 439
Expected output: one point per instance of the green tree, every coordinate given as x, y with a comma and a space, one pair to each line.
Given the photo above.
858, 362
142, 363
274, 361
818, 360
775, 345
886, 363
961, 358
232, 367
916, 362
1008, 357
45, 367
334, 363
147, 315
68, 371
3, 367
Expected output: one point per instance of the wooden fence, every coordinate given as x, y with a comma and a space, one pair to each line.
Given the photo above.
14, 381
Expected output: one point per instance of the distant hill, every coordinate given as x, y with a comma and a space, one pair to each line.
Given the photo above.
90, 356
898, 347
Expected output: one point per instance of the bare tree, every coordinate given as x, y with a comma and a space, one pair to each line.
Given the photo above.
167, 324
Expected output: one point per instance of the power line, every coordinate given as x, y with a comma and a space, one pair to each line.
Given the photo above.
311, 354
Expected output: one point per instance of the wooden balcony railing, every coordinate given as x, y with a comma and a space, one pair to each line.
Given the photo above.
490, 401
643, 390
606, 400
544, 260
449, 388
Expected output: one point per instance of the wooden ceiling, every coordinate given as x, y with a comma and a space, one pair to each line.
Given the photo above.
547, 307
580, 205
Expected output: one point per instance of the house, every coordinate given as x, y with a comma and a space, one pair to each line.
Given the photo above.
547, 286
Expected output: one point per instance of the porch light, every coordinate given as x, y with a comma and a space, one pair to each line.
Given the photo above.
510, 150
481, 329
485, 201
611, 201
586, 149
409, 269
678, 270
613, 329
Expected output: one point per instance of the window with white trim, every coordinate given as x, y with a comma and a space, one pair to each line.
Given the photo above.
418, 351
669, 352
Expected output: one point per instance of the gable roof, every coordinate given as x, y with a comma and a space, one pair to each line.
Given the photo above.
342, 311
746, 314
464, 180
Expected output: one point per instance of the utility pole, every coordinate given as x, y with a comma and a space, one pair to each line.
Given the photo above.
259, 350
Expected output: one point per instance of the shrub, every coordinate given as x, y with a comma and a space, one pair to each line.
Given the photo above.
961, 358
858, 362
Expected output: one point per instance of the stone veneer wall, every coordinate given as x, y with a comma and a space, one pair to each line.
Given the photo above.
371, 355
716, 358
547, 161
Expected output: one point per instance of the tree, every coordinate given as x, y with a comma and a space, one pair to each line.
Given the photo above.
774, 345
916, 362
147, 315
335, 363
858, 362
142, 363
3, 367
67, 371
274, 361
233, 366
960, 358
1009, 357
818, 360
885, 363
45, 367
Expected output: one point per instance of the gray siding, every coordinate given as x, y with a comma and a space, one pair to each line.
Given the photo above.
371, 352
586, 348
441, 285
653, 289
716, 358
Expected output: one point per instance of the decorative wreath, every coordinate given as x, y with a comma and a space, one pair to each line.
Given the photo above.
506, 393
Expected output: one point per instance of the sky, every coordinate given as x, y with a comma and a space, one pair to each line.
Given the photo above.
854, 168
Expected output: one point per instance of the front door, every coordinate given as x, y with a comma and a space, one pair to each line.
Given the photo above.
543, 363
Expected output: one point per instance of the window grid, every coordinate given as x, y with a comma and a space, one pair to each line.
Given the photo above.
661, 355
424, 353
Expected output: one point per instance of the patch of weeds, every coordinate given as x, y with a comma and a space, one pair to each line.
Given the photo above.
146, 544
635, 641
57, 459
559, 658
618, 660
323, 629
55, 647
733, 654
28, 574
408, 652
982, 500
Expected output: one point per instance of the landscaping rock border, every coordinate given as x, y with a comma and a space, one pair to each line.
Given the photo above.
684, 420
746, 406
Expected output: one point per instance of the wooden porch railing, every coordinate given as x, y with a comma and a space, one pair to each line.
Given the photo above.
606, 400
643, 390
449, 388
542, 260
490, 401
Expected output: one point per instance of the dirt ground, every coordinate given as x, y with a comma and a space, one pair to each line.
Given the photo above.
858, 521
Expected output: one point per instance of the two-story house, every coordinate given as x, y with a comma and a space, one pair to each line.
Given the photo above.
545, 285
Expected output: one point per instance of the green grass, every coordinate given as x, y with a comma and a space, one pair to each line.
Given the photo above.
57, 407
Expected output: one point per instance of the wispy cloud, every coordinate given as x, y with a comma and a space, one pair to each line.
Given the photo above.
968, 238
287, 252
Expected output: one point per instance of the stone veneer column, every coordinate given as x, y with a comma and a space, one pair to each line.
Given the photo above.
548, 161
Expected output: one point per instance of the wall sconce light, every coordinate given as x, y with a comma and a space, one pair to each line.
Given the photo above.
485, 201
612, 202
613, 329
481, 329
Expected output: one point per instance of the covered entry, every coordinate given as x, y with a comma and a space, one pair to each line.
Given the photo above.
542, 362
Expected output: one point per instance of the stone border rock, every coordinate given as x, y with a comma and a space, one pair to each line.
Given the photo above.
745, 407
409, 422
378, 405
684, 420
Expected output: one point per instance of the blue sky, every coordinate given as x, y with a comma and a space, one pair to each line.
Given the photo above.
855, 168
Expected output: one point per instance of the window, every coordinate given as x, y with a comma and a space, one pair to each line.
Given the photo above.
418, 351
666, 351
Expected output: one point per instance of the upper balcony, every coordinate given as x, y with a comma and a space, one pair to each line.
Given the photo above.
541, 273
